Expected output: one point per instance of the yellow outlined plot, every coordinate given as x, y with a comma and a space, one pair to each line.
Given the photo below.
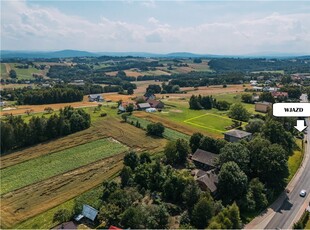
190, 121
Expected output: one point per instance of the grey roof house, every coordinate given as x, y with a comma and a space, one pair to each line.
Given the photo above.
237, 135
95, 97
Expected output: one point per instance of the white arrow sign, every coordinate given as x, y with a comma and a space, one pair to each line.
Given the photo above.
300, 125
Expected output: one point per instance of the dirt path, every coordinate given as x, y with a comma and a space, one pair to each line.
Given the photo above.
29, 201
7, 67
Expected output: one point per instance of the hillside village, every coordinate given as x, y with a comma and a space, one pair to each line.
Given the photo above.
181, 150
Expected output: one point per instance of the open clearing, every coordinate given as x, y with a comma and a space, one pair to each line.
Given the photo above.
34, 199
49, 165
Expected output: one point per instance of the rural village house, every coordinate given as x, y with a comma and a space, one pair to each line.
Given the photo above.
237, 135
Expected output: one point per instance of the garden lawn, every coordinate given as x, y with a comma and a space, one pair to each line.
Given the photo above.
49, 165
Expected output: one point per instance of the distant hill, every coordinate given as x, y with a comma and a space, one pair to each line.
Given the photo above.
39, 54
78, 53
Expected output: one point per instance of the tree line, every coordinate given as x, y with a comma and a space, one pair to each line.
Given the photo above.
50, 96
16, 133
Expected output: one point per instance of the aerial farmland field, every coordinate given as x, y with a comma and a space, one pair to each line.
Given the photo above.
33, 171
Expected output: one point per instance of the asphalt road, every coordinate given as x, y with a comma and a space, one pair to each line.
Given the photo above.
293, 205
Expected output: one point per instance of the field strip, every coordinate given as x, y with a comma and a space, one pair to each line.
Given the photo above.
41, 168
29, 201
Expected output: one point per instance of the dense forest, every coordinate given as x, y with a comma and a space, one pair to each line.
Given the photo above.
16, 133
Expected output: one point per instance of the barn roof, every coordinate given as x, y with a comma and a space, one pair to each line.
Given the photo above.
205, 157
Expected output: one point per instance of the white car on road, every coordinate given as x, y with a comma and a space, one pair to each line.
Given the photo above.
303, 193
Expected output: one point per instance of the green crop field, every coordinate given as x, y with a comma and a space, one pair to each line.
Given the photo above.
46, 166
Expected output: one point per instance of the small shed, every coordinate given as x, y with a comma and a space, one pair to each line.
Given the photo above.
88, 212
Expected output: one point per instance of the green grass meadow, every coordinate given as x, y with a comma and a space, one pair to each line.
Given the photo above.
46, 166
24, 74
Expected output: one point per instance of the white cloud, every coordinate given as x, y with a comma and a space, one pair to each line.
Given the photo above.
27, 27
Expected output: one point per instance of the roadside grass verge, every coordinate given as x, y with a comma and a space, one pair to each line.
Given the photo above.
295, 160
49, 165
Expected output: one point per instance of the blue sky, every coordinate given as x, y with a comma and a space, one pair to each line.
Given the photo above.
214, 27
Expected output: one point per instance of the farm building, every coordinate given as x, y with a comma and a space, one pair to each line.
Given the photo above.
95, 97
237, 135
144, 106
262, 106
155, 104
204, 159
207, 180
